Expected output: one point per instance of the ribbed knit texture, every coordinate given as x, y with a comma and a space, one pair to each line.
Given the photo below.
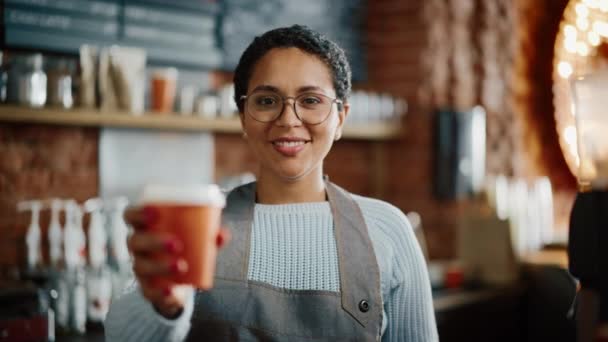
293, 246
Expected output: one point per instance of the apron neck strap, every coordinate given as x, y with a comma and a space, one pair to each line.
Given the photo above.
359, 272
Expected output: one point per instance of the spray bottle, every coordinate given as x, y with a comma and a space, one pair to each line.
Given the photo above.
57, 286
119, 258
99, 284
55, 234
74, 238
32, 237
74, 247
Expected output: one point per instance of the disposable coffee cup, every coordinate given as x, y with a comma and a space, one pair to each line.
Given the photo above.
163, 89
193, 215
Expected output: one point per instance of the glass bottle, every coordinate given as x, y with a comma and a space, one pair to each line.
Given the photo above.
31, 81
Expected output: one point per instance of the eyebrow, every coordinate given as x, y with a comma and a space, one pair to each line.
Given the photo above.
277, 90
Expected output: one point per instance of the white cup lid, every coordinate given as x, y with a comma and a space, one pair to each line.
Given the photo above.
165, 73
199, 194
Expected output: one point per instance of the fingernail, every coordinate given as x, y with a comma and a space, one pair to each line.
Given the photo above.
150, 215
219, 240
179, 266
172, 246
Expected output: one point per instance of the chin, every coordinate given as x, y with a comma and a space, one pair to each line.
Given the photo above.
292, 174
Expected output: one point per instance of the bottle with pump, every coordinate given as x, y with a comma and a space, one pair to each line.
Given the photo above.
58, 286
119, 258
55, 234
78, 319
60, 296
32, 237
99, 283
74, 247
74, 237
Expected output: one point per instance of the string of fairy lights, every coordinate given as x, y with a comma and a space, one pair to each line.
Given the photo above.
582, 32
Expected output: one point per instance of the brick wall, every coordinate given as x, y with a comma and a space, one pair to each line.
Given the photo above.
434, 53
532, 99
400, 38
41, 162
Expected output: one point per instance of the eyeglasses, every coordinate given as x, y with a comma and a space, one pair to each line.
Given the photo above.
310, 108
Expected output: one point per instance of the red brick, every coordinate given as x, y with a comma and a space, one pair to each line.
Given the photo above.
14, 157
80, 184
32, 183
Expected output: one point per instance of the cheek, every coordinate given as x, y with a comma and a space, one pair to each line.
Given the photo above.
324, 139
326, 132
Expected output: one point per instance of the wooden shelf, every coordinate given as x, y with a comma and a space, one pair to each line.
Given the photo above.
84, 117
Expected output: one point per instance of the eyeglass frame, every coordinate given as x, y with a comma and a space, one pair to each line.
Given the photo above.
284, 100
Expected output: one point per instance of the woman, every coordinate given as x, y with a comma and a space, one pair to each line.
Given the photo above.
307, 260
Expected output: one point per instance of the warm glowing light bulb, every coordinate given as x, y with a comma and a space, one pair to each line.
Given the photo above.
597, 26
582, 10
582, 49
564, 69
570, 45
582, 23
601, 28
570, 31
572, 109
593, 38
570, 135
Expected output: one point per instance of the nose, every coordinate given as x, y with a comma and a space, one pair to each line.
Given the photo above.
288, 116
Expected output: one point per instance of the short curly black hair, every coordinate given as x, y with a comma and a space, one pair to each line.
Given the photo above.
300, 37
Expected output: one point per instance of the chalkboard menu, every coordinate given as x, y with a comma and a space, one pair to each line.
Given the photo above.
200, 34
181, 32
340, 20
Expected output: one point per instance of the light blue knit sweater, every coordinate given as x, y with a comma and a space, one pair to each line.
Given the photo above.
293, 247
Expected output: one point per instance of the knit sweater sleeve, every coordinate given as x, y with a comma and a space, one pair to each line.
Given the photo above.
406, 290
132, 318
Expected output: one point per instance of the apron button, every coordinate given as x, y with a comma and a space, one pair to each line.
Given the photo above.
364, 306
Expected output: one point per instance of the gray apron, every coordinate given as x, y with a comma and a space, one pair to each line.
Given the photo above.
238, 309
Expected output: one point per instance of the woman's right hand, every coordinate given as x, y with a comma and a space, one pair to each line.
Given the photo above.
156, 261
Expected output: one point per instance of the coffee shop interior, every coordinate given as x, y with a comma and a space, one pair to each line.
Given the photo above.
476, 118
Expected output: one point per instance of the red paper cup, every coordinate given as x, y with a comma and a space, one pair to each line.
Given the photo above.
193, 215
163, 88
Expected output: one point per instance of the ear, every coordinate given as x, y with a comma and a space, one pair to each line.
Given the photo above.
342, 114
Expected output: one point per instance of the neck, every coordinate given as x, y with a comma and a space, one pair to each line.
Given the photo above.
276, 190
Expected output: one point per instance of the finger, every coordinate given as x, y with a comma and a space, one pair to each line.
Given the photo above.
176, 295
147, 267
168, 299
223, 237
145, 243
154, 294
135, 217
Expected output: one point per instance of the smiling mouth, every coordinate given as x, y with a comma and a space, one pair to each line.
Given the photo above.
282, 143
289, 147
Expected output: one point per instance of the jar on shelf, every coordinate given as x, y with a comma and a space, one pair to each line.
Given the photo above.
59, 85
27, 81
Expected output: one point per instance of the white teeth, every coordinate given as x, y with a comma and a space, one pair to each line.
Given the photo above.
289, 143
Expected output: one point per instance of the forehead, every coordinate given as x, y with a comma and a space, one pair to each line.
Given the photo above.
289, 69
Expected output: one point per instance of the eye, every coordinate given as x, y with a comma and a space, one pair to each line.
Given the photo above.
311, 100
266, 101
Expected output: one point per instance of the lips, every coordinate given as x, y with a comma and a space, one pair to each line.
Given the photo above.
289, 146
